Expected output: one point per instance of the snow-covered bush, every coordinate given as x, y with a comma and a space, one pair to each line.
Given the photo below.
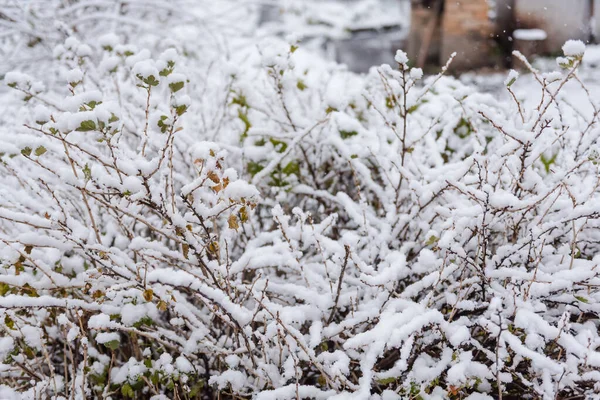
31, 29
294, 232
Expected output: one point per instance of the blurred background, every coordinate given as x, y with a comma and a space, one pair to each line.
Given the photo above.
358, 33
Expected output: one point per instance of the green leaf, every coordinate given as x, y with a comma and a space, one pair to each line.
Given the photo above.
431, 241
463, 129
347, 134
247, 125
566, 63
180, 110
176, 86
301, 85
87, 172
87, 126
412, 109
386, 381
162, 125
113, 344
154, 378
277, 179
150, 80
240, 100
26, 151
582, 299
144, 321
511, 82
127, 390
254, 168
10, 324
166, 71
280, 145
292, 168
389, 102
92, 104
40, 150
548, 161
196, 389
4, 288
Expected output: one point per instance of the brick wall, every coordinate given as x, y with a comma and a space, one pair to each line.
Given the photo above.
464, 28
467, 30
466, 17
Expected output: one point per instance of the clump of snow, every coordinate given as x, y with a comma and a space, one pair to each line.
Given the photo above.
108, 40
574, 48
169, 55
84, 50
184, 365
240, 189
401, 57
416, 73
511, 78
6, 346
145, 69
73, 333
41, 114
234, 379
74, 76
181, 100
106, 337
18, 79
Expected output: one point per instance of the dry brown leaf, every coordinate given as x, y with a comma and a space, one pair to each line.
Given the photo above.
233, 222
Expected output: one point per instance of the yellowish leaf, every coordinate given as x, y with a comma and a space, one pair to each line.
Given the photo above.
213, 247
233, 222
148, 293
244, 214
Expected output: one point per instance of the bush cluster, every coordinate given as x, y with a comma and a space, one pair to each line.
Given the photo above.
291, 233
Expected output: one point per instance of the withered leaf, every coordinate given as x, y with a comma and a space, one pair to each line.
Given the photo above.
148, 293
212, 175
244, 214
233, 222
